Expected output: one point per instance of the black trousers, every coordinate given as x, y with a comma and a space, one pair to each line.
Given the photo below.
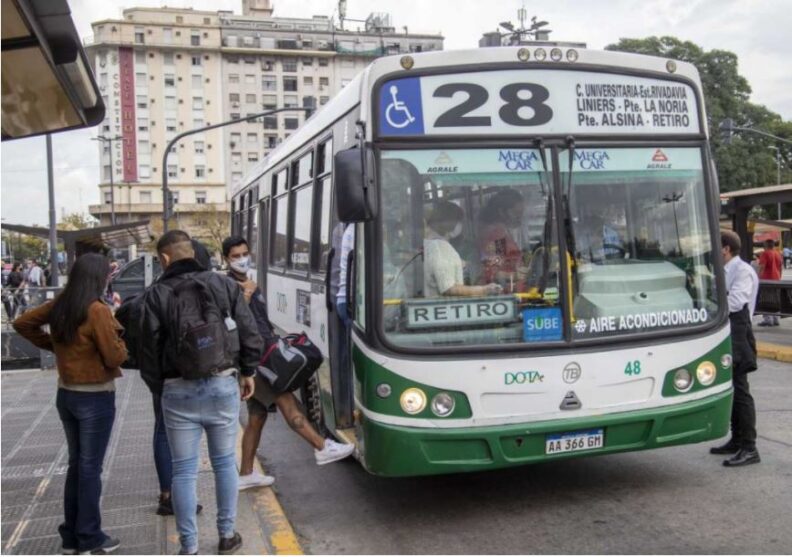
743, 416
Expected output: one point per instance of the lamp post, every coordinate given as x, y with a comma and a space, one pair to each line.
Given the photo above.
166, 205
673, 197
778, 173
110, 140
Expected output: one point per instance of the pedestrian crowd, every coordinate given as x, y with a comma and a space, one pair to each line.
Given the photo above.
203, 342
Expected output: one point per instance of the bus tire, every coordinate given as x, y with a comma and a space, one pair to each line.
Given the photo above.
312, 400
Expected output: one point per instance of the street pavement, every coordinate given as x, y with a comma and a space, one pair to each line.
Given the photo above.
667, 501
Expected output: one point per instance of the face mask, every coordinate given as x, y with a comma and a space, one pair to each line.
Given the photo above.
456, 231
241, 265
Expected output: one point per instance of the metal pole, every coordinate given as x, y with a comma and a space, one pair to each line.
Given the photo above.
173, 141
112, 193
53, 232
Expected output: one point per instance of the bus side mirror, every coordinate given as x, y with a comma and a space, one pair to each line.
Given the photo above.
355, 195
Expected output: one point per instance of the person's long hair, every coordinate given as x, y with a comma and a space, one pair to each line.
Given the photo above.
87, 283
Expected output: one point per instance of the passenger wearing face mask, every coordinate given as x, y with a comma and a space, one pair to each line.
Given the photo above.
443, 267
237, 254
501, 255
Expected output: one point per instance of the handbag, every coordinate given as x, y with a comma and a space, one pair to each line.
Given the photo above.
290, 362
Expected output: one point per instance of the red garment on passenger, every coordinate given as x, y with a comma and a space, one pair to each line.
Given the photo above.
499, 252
772, 262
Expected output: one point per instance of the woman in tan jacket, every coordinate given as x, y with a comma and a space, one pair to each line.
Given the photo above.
89, 351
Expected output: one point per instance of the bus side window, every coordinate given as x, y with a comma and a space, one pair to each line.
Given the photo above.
323, 207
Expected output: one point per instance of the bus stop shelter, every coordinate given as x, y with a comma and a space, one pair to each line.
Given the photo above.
737, 205
91, 240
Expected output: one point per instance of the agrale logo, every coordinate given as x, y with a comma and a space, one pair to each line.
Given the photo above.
443, 164
659, 161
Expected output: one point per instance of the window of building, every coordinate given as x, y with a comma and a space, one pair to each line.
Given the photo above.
269, 101
175, 197
197, 83
250, 98
170, 80
236, 158
197, 103
140, 78
170, 103
179, 19
270, 141
143, 124
324, 100
308, 81
200, 171
234, 115
170, 125
196, 60
141, 101
289, 65
267, 65
289, 101
252, 157
289, 83
195, 38
235, 138
270, 122
140, 57
145, 197
324, 81
250, 79
290, 123
143, 147
324, 62
236, 177
167, 58
233, 78
200, 196
307, 62
167, 34
140, 35
233, 97
252, 139
198, 123
199, 147
309, 101
173, 170
307, 44
269, 83
107, 196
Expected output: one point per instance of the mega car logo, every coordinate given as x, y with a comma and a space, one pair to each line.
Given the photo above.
518, 160
591, 160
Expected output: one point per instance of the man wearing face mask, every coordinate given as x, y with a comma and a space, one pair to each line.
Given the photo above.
443, 268
237, 255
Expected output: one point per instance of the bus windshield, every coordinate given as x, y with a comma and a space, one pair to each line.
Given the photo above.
641, 240
470, 250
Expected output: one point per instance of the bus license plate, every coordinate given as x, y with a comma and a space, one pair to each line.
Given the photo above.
574, 441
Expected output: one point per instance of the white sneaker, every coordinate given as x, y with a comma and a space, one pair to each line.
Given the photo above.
255, 479
333, 451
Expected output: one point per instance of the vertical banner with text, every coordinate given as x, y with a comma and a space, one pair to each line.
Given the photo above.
126, 60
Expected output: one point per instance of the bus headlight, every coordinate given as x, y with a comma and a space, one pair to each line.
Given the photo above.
683, 380
413, 400
556, 54
384, 390
572, 55
540, 54
523, 54
442, 404
706, 372
726, 361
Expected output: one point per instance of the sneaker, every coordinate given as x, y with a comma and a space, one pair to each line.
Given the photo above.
107, 547
227, 546
165, 507
333, 451
69, 551
255, 479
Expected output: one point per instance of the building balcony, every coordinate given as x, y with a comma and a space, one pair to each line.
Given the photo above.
153, 208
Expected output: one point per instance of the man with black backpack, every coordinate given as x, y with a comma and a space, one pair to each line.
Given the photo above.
237, 255
199, 335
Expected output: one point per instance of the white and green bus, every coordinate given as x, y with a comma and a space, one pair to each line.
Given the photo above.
536, 271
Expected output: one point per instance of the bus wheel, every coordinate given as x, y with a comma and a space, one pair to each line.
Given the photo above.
312, 400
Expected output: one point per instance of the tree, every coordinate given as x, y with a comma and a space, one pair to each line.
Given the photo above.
748, 161
76, 221
211, 227
23, 246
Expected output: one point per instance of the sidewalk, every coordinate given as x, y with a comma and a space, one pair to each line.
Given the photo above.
34, 457
774, 343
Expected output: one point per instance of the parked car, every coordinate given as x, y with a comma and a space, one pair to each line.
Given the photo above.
131, 279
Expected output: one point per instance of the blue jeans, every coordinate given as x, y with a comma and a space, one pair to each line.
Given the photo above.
162, 454
189, 408
87, 420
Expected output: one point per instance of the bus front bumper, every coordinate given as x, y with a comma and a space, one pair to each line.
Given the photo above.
406, 451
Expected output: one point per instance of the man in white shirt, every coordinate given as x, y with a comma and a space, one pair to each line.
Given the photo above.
742, 286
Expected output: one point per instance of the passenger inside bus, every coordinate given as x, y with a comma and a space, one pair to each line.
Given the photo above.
499, 241
443, 267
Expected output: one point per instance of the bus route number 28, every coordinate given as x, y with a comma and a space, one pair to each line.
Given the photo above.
517, 96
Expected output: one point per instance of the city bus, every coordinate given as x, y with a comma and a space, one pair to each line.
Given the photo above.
535, 272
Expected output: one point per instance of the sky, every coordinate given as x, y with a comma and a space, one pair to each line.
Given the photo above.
756, 30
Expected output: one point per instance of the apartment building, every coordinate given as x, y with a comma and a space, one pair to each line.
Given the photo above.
164, 71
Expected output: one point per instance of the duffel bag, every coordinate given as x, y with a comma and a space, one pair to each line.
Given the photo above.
290, 362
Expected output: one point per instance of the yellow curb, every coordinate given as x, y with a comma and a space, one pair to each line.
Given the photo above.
282, 538
774, 351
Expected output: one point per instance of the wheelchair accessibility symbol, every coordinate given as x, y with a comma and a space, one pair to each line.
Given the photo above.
403, 118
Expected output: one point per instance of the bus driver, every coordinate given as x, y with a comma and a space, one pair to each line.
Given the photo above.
443, 272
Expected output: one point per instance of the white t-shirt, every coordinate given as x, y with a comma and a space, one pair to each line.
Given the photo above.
442, 267
35, 276
742, 285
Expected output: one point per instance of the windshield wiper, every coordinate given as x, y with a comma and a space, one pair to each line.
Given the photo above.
547, 234
568, 226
